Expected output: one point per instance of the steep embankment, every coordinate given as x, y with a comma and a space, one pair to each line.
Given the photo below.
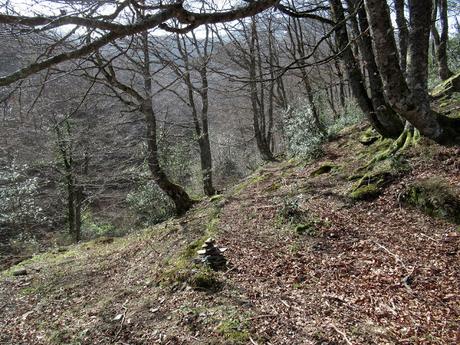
318, 253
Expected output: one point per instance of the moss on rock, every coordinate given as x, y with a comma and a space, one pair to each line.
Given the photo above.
366, 192
369, 137
435, 197
382, 173
325, 168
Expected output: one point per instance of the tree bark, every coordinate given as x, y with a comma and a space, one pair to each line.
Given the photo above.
205, 145
410, 100
403, 33
388, 118
440, 40
78, 206
178, 195
355, 76
258, 95
297, 51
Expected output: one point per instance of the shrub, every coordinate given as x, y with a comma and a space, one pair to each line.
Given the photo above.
302, 137
149, 203
352, 115
18, 198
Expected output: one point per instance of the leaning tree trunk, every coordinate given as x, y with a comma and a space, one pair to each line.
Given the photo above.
410, 99
178, 195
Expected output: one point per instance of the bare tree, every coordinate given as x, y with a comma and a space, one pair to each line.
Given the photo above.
441, 39
190, 56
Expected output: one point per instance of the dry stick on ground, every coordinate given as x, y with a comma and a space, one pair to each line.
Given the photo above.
341, 333
397, 258
125, 309
252, 341
406, 280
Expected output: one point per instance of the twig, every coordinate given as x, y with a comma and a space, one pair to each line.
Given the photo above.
429, 237
285, 303
230, 270
342, 334
252, 341
125, 309
397, 258
406, 280
260, 317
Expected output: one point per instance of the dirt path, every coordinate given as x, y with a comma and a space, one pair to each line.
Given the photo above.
373, 273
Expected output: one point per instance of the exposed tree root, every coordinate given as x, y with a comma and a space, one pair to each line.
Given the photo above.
409, 137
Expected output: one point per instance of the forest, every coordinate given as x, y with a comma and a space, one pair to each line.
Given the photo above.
230, 172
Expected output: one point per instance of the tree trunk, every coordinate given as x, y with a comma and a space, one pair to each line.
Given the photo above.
441, 41
341, 84
78, 206
403, 34
354, 73
296, 37
70, 205
178, 195
257, 97
389, 120
205, 146
409, 100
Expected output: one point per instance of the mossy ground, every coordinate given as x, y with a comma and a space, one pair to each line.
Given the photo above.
435, 197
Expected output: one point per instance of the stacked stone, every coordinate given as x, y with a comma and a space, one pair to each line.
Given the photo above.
212, 256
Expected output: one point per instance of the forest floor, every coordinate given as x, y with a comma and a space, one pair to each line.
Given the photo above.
307, 264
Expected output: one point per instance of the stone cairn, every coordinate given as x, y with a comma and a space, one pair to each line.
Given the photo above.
212, 256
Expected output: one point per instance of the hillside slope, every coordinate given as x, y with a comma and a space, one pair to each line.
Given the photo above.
318, 253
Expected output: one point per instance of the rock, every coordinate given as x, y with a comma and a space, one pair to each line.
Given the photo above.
366, 192
435, 197
211, 255
210, 240
118, 317
20, 272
